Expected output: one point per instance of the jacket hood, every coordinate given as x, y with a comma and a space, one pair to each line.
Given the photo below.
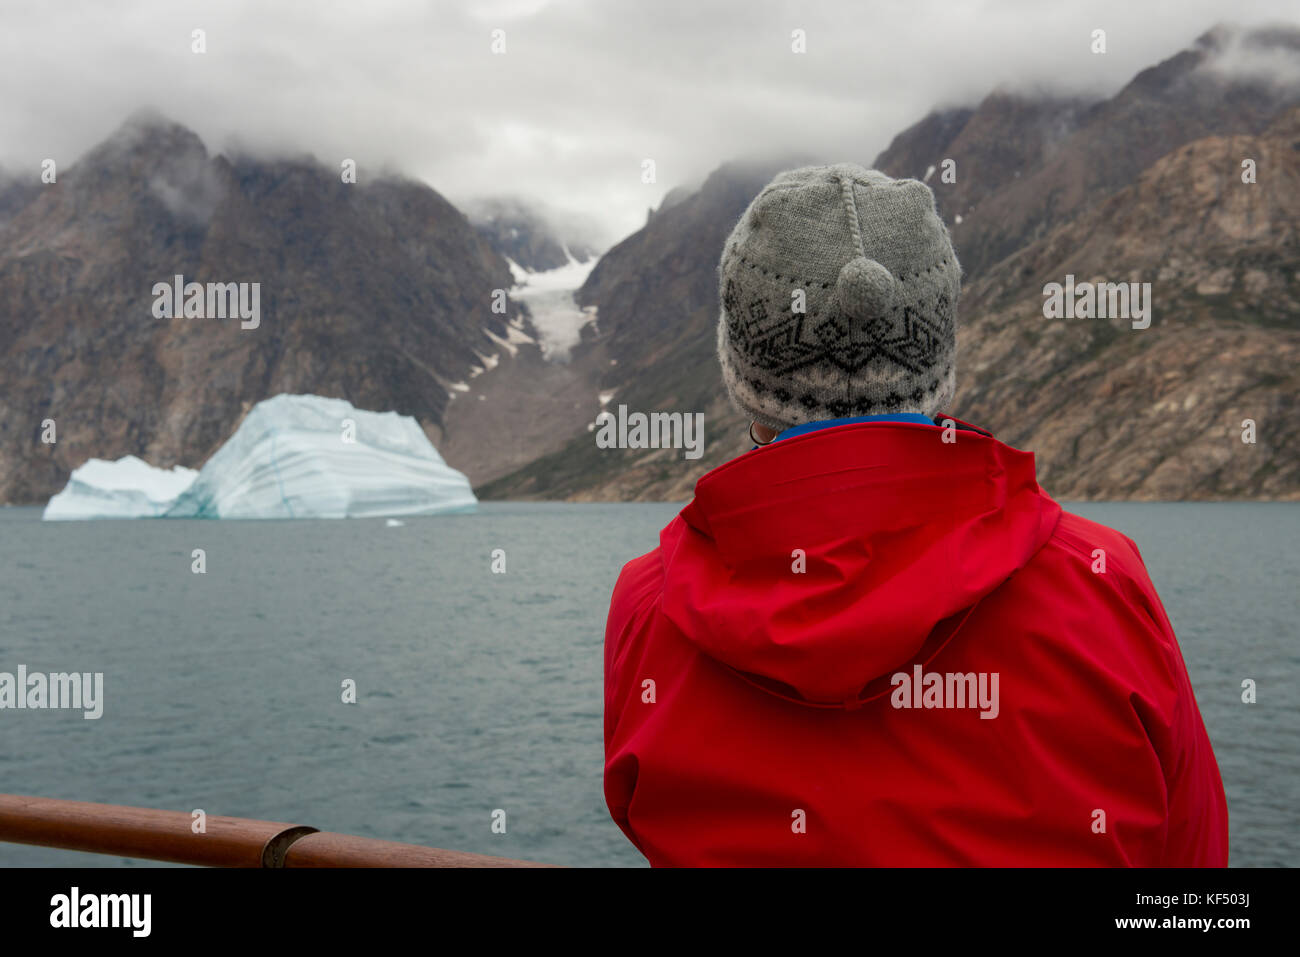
825, 561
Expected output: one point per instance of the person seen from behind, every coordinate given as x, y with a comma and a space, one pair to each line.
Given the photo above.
873, 639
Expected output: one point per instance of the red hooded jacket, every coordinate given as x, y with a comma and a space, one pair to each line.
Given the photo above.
762, 701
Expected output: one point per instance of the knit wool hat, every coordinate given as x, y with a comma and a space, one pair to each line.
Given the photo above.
877, 329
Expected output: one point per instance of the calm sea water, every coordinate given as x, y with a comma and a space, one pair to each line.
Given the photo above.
480, 691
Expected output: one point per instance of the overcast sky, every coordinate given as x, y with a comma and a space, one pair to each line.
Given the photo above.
586, 90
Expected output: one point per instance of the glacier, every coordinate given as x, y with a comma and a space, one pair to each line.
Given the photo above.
304, 456
126, 488
554, 313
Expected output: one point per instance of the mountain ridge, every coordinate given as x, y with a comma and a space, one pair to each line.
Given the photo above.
378, 293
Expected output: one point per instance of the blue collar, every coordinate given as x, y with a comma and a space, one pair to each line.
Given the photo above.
831, 423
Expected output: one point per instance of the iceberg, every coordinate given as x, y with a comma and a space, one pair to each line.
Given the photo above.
303, 456
293, 456
126, 488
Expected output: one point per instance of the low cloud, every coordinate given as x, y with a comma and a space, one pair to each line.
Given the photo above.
586, 91
1239, 55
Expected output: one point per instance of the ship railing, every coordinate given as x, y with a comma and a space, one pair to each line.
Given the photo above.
182, 837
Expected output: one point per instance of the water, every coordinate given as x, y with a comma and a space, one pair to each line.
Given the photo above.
480, 691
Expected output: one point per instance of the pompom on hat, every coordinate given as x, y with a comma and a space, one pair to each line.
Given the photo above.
839, 291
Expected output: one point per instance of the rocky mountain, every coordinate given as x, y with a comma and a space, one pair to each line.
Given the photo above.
1157, 413
1145, 186
15, 193
379, 293
1025, 165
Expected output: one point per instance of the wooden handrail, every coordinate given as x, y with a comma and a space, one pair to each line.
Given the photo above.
226, 841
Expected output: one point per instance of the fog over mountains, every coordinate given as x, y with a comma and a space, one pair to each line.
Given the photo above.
533, 236
381, 292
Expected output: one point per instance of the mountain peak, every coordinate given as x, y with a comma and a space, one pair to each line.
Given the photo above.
1223, 36
147, 132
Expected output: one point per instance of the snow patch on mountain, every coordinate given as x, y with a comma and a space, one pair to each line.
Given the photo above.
555, 315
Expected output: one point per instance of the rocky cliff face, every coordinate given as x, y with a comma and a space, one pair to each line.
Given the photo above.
1143, 187
1157, 413
15, 194
377, 293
